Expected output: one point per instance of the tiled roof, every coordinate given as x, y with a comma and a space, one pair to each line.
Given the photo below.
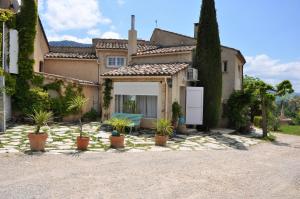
71, 53
148, 70
166, 50
66, 79
121, 44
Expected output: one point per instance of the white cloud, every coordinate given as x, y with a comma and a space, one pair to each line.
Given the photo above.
86, 40
111, 35
94, 32
120, 2
273, 71
74, 14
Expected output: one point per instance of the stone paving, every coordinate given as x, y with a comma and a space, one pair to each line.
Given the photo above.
61, 139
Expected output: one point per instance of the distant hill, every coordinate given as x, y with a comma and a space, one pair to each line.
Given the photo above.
68, 43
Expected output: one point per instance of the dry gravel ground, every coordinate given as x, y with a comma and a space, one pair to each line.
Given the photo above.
267, 170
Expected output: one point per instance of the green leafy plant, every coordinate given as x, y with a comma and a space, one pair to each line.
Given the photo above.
107, 95
91, 115
258, 121
164, 127
76, 105
119, 124
176, 111
38, 100
10, 83
26, 22
40, 118
238, 111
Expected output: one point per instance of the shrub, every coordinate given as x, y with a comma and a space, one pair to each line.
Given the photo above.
238, 109
57, 107
258, 121
92, 115
39, 100
164, 127
176, 111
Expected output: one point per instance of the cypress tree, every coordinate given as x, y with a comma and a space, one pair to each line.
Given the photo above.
208, 63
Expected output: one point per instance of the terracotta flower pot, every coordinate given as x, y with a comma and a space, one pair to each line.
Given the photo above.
161, 140
82, 143
37, 141
117, 141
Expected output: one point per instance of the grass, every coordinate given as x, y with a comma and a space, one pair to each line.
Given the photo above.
290, 129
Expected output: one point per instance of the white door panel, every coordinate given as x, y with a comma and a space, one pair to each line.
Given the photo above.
194, 105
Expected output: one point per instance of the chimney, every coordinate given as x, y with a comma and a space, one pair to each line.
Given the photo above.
132, 40
196, 28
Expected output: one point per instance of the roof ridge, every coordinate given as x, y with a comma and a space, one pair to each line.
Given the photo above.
175, 33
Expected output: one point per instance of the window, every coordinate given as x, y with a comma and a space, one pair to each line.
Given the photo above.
139, 104
225, 66
41, 66
115, 62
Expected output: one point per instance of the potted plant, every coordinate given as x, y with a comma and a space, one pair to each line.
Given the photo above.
37, 139
76, 105
117, 137
176, 113
164, 129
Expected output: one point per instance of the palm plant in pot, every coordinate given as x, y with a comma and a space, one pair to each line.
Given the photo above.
76, 105
164, 129
37, 139
117, 137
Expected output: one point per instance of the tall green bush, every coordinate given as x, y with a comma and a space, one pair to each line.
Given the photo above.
26, 22
208, 63
239, 109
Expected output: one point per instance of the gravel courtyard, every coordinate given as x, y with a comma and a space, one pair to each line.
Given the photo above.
266, 170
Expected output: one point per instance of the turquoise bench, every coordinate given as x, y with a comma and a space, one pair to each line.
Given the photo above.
134, 118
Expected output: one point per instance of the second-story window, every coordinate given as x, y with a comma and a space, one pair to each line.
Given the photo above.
225, 67
116, 62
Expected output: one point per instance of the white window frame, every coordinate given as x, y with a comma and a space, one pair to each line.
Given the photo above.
116, 58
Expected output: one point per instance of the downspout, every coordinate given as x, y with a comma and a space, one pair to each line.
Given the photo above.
166, 96
98, 95
3, 45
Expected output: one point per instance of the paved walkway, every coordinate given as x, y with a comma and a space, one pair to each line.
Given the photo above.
62, 140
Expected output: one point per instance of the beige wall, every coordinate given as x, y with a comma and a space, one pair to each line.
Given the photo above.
40, 48
232, 79
89, 91
165, 38
166, 58
78, 69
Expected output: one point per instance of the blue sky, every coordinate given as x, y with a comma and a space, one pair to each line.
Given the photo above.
266, 31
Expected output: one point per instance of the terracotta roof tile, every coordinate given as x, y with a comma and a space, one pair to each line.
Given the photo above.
166, 50
71, 52
121, 44
66, 79
70, 55
148, 70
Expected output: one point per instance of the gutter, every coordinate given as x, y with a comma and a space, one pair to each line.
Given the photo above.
136, 77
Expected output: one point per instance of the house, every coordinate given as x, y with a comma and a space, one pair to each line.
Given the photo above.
148, 76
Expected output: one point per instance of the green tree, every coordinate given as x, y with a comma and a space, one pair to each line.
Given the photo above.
208, 62
262, 92
284, 89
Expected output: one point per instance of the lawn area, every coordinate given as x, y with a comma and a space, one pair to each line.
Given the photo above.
291, 130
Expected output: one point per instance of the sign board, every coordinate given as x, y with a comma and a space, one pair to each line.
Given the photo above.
13, 51
194, 105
